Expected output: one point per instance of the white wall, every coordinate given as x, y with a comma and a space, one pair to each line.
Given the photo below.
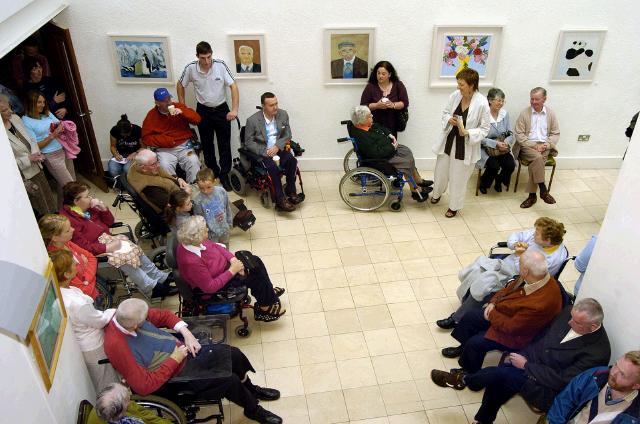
294, 33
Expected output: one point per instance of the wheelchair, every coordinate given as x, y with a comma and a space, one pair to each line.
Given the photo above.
369, 184
249, 171
192, 303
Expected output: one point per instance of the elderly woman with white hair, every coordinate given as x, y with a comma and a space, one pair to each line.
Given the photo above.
209, 267
114, 406
376, 142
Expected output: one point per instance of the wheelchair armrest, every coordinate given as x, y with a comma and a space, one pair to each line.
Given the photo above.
128, 232
251, 155
502, 244
102, 259
347, 122
343, 139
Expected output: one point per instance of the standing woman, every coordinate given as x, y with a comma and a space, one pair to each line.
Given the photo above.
28, 158
465, 123
38, 120
49, 87
385, 95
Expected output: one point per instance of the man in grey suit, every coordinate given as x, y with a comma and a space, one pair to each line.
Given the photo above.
266, 134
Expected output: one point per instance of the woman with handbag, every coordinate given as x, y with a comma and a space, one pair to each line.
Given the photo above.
496, 155
386, 97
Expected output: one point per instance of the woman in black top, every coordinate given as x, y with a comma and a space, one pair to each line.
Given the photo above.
52, 91
126, 140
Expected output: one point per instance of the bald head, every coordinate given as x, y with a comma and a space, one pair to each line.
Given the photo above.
145, 157
131, 313
534, 263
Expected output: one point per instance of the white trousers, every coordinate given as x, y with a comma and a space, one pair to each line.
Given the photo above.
180, 155
453, 173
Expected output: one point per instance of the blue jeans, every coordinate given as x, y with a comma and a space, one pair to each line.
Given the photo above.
116, 169
500, 384
146, 276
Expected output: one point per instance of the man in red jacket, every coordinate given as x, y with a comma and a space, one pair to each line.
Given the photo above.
154, 361
166, 128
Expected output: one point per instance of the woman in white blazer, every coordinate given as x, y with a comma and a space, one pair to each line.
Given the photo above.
28, 158
465, 123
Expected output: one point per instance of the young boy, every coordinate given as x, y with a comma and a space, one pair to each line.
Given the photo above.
212, 203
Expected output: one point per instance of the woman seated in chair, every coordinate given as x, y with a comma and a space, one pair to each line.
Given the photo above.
208, 266
91, 220
375, 142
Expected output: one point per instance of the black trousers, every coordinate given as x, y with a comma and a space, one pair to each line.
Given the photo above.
468, 303
215, 120
498, 168
500, 384
207, 374
470, 333
258, 281
289, 164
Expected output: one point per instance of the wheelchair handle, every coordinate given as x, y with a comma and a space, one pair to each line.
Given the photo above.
343, 139
104, 361
502, 244
347, 122
238, 123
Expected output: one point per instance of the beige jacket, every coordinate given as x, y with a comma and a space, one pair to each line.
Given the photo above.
21, 152
523, 128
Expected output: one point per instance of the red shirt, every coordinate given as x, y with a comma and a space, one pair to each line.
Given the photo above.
86, 266
167, 131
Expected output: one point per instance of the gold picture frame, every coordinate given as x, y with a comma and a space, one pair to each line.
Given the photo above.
47, 328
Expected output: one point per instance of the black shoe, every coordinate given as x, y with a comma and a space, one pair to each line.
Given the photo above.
483, 190
224, 180
296, 199
263, 416
425, 183
265, 393
498, 187
452, 352
422, 197
447, 323
163, 290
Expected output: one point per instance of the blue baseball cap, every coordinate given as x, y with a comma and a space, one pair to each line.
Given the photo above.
161, 94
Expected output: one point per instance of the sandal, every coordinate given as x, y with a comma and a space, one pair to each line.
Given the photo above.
272, 313
434, 200
450, 213
279, 291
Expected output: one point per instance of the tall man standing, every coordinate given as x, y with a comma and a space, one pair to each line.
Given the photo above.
210, 79
537, 133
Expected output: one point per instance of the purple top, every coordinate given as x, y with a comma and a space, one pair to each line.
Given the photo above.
385, 117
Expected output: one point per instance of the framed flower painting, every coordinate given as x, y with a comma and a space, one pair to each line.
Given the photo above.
457, 47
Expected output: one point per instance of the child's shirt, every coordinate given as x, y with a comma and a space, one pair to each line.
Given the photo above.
216, 210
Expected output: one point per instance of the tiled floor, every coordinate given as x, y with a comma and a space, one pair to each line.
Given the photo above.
364, 289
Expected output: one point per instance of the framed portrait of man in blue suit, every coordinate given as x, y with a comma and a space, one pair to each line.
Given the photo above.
348, 55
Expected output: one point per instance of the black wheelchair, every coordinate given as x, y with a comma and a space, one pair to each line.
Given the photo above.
369, 184
249, 171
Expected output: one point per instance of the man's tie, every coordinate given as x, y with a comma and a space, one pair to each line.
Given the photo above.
347, 72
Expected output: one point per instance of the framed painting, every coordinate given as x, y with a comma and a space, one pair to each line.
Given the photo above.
471, 46
577, 55
249, 55
47, 328
348, 55
141, 59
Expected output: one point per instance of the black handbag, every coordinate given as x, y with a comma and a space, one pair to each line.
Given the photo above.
249, 260
403, 118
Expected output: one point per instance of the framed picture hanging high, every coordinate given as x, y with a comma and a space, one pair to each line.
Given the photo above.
577, 55
348, 55
141, 59
456, 47
249, 55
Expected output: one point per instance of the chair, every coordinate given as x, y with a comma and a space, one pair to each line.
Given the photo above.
551, 161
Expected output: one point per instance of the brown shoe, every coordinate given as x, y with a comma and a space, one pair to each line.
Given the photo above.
285, 206
529, 202
548, 198
447, 379
296, 199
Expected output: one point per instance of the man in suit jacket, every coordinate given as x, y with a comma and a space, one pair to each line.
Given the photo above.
246, 65
574, 342
537, 134
266, 134
349, 66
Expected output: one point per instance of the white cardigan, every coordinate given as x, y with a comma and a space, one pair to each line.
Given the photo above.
478, 125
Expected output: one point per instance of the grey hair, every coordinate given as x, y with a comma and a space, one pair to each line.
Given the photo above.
592, 308
4, 99
245, 47
132, 312
112, 402
192, 231
144, 156
359, 114
495, 93
538, 90
535, 262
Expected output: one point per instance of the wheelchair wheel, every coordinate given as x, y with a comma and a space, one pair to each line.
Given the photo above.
243, 332
138, 231
396, 206
104, 300
265, 199
237, 181
350, 161
162, 408
157, 256
364, 189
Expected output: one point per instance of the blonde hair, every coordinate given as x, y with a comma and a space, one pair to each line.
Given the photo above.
205, 174
51, 225
62, 262
551, 230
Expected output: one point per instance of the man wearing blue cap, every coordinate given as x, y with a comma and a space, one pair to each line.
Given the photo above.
166, 128
349, 66
210, 78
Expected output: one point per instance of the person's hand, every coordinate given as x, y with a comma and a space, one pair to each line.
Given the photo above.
389, 105
272, 151
502, 146
132, 156
176, 111
114, 245
179, 353
59, 97
517, 360
183, 185
520, 247
235, 266
453, 121
60, 113
98, 204
488, 309
118, 157
59, 129
192, 344
232, 115
36, 157
122, 237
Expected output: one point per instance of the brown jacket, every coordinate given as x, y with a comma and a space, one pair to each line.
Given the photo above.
518, 317
523, 128
163, 181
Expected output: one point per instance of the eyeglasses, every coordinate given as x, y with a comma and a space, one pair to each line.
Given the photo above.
156, 163
85, 196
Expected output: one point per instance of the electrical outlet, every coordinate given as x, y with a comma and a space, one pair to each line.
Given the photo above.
584, 137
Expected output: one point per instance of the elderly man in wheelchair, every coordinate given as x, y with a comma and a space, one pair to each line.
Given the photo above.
375, 143
266, 134
152, 360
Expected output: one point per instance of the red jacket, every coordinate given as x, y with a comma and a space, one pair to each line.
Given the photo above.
518, 317
87, 231
86, 266
140, 379
210, 272
168, 131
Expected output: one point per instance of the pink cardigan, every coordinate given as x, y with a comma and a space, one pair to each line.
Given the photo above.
210, 272
69, 140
